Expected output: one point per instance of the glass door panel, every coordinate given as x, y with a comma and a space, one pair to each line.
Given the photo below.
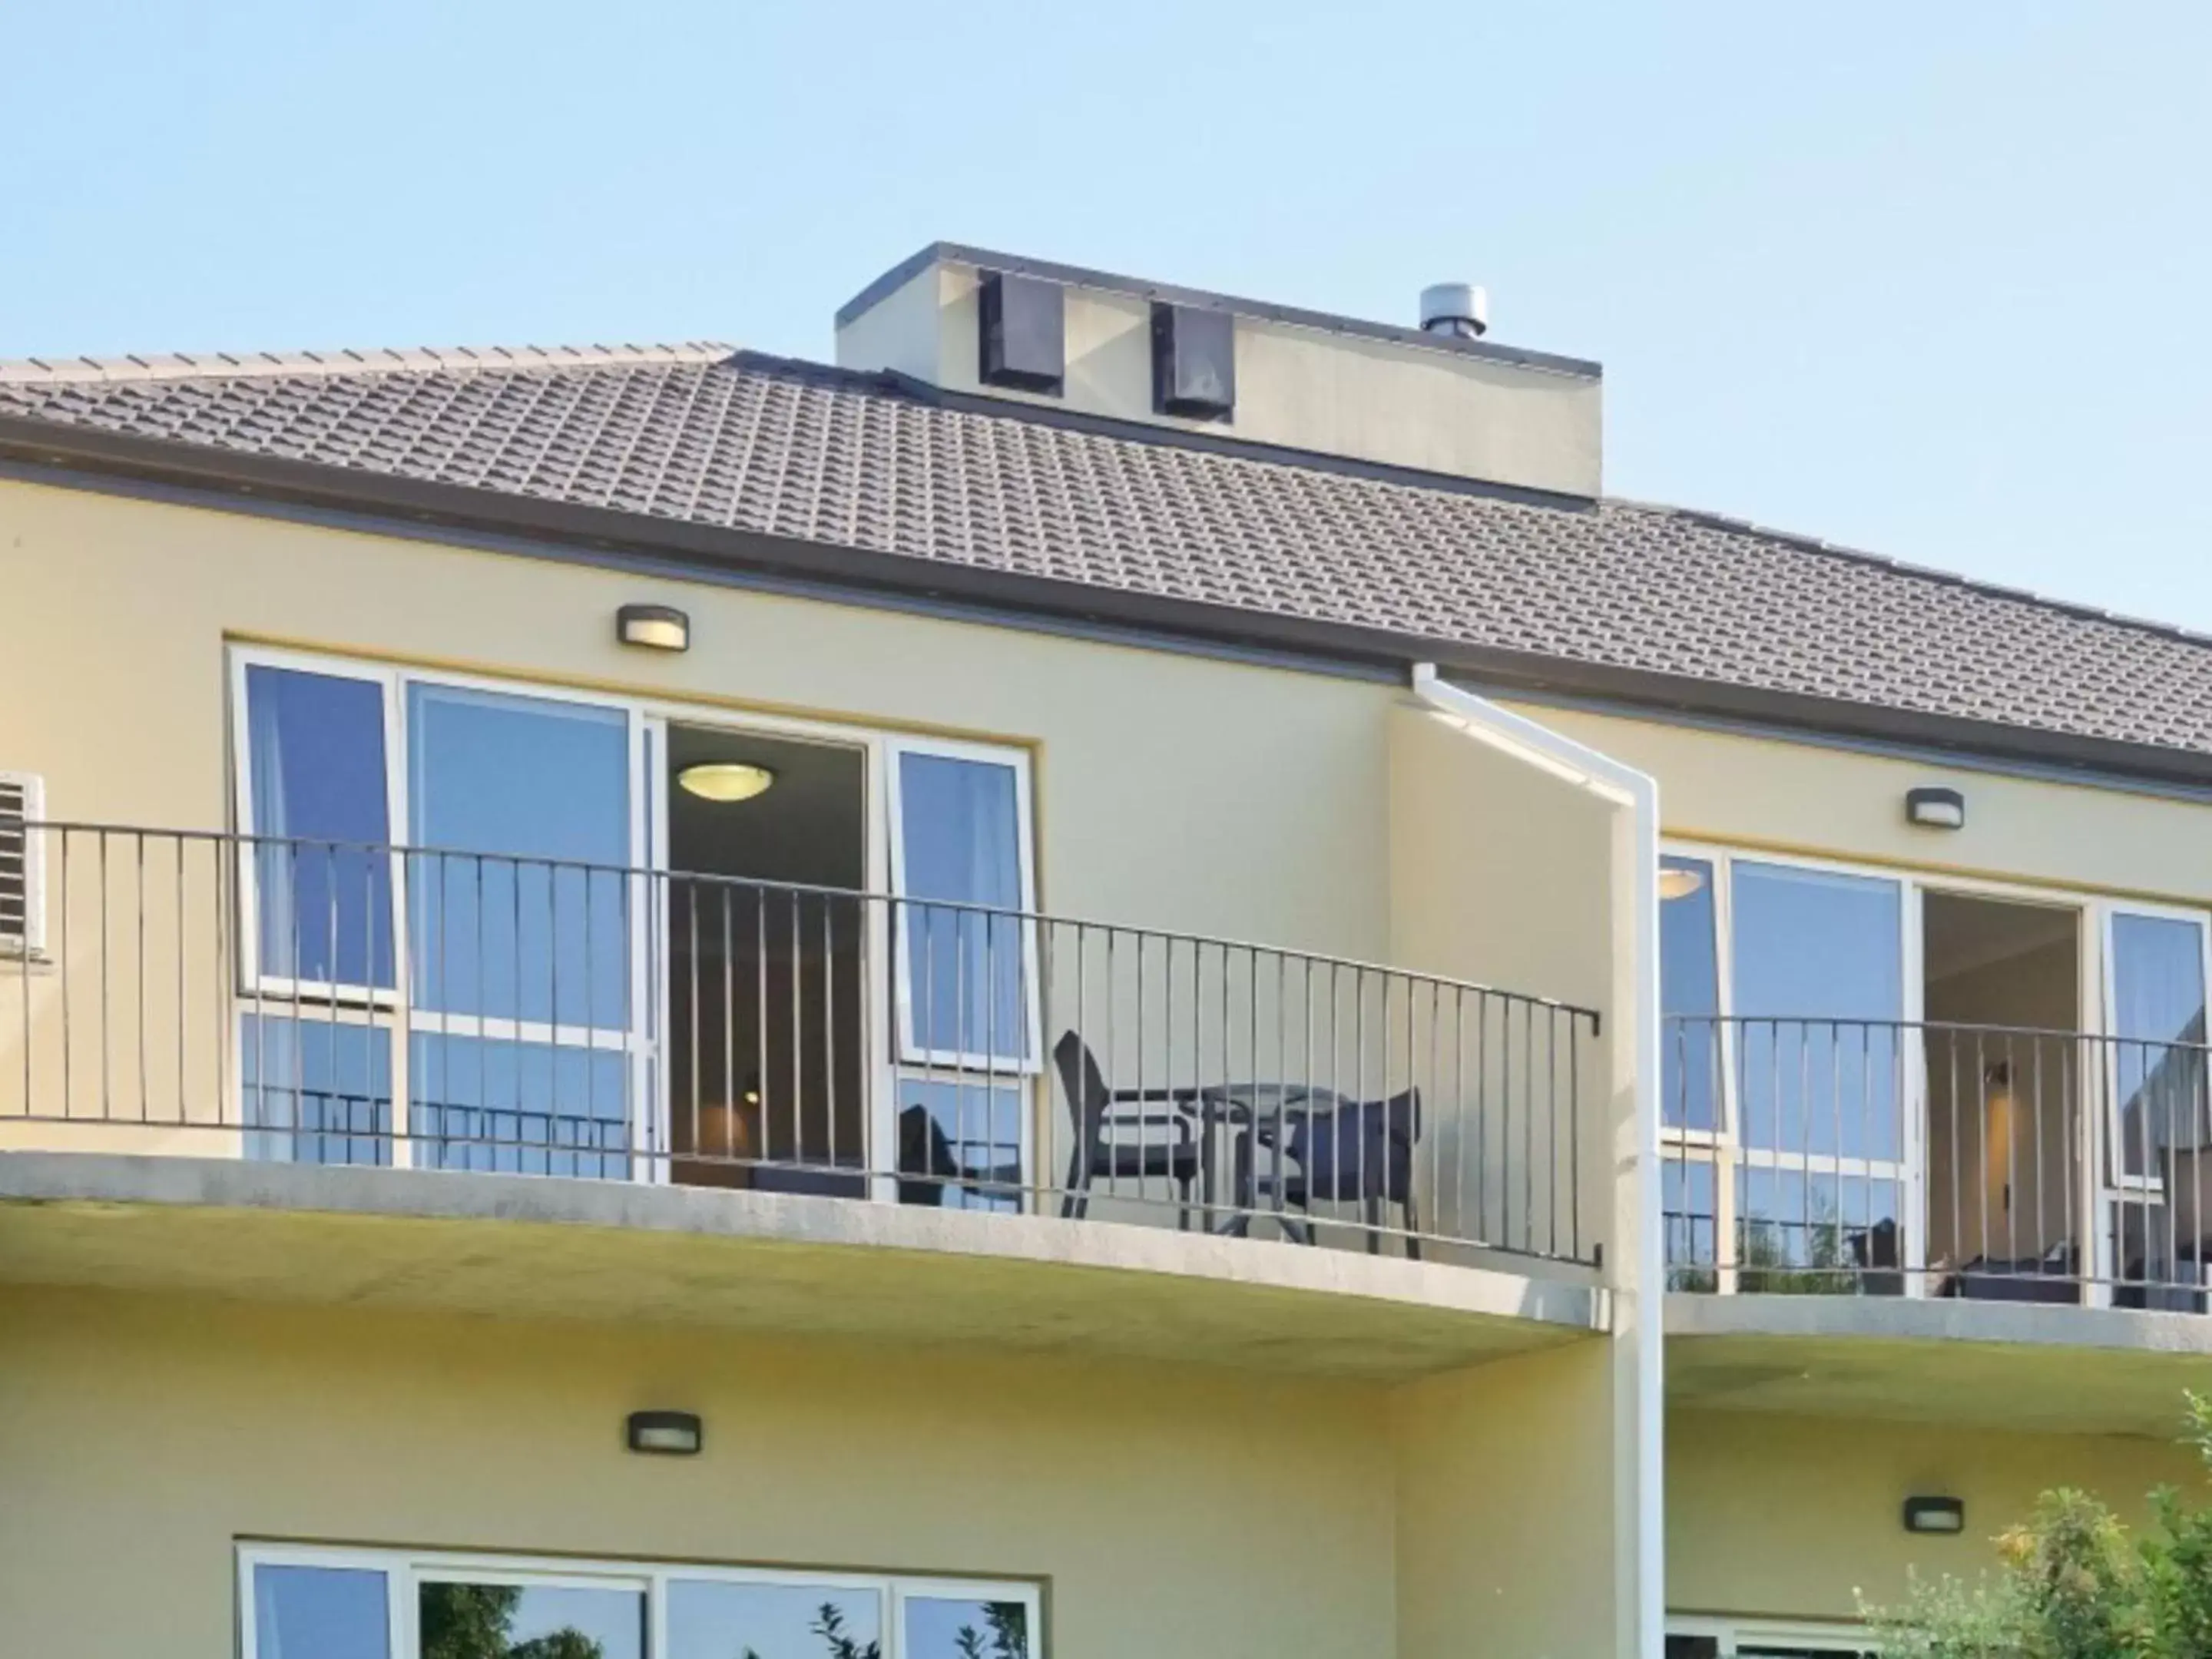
522, 913
1820, 1075
519, 912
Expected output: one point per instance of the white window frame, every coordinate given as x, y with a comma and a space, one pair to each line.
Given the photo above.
1734, 1634
393, 1009
1723, 1147
886, 988
2103, 1185
910, 1051
406, 1570
2106, 1162
31, 947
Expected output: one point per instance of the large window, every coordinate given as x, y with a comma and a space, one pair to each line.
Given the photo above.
488, 1020
456, 952
364, 1604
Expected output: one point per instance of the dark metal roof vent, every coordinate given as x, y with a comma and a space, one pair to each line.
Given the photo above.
1023, 331
1194, 361
1460, 309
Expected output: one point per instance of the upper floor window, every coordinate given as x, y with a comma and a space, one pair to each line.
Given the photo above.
465, 944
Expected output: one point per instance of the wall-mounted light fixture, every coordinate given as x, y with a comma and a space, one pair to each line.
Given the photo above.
723, 781
1935, 809
656, 627
664, 1434
1942, 1515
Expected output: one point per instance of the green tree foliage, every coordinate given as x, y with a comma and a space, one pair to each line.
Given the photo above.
2074, 1583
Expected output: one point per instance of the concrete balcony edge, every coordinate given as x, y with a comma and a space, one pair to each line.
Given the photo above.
533, 1245
1988, 1365
1921, 1319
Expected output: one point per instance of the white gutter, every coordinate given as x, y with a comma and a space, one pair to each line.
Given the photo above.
1639, 1281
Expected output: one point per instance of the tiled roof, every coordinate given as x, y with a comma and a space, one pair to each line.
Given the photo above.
699, 434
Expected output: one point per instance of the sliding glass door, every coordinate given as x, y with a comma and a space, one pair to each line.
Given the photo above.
457, 942
1788, 1101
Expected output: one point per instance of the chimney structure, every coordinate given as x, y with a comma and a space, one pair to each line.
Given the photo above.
1439, 398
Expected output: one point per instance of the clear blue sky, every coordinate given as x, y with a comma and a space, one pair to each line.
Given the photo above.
1929, 279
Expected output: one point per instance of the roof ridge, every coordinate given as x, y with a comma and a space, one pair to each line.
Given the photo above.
253, 365
1734, 526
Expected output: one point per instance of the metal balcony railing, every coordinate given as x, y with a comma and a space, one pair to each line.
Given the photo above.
315, 1001
1926, 1159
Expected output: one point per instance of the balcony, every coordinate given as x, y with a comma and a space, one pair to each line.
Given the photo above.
1896, 1212
322, 1013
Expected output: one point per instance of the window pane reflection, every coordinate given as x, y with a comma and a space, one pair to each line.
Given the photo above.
531, 779
2157, 1001
315, 765
1687, 1190
518, 1108
961, 840
321, 1613
1819, 989
709, 1619
1689, 993
531, 1621
960, 1130
315, 1091
943, 1628
1816, 1231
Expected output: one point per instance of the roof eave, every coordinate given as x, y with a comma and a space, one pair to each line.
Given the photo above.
228, 479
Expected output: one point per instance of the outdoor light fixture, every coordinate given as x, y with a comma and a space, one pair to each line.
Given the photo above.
657, 627
666, 1434
1678, 884
1935, 809
1935, 1514
725, 780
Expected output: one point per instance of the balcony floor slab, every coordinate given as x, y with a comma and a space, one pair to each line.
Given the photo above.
2039, 1368
538, 1246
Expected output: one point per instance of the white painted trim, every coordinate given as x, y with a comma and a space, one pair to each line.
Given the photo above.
1639, 1298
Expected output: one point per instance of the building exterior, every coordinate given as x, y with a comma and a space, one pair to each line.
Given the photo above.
1126, 975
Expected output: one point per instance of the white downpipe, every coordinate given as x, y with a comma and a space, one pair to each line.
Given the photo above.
1640, 1282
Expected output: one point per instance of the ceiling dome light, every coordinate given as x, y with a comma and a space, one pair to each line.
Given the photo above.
1676, 883
726, 781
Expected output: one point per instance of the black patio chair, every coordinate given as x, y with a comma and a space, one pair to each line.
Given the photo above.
1350, 1152
1099, 1114
925, 1151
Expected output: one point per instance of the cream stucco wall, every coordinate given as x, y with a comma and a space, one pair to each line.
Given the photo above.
1147, 762
1171, 1510
1500, 874
1506, 1508
1792, 1517
1821, 799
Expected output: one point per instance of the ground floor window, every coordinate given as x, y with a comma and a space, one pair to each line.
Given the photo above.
1727, 1638
380, 1604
